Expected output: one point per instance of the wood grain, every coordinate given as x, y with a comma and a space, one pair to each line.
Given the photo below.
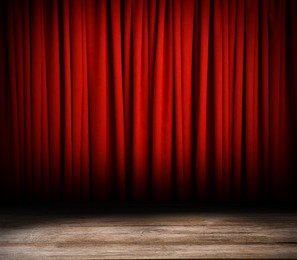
48, 234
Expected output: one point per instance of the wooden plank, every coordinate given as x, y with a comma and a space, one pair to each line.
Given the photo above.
46, 234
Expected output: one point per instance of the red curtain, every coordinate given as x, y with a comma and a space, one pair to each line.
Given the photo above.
136, 99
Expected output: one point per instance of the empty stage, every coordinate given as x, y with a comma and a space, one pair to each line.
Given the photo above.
92, 232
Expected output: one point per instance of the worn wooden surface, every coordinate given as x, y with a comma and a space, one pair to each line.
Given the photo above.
52, 234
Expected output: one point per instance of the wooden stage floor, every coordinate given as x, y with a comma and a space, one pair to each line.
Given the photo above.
167, 232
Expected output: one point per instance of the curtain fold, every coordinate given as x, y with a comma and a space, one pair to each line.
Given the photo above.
148, 100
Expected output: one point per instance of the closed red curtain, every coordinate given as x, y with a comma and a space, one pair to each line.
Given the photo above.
148, 100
